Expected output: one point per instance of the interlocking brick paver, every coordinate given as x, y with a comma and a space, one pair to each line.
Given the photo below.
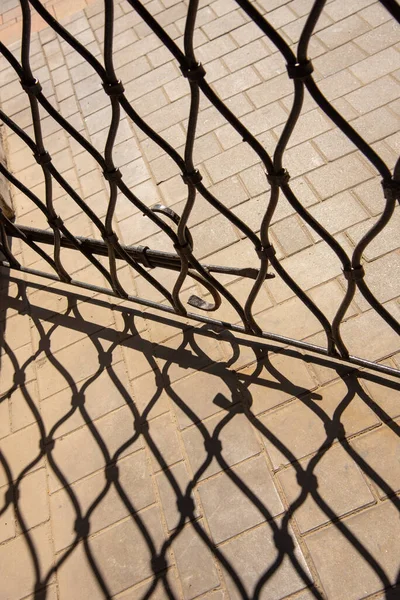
383, 441
195, 563
376, 65
340, 485
167, 482
308, 431
134, 477
188, 384
75, 580
341, 566
227, 506
16, 552
252, 553
79, 454
225, 435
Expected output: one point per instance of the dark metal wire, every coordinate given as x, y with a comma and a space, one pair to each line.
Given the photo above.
184, 261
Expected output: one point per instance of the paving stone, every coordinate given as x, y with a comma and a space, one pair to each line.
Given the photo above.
291, 235
169, 579
205, 387
194, 562
230, 162
271, 90
343, 31
213, 235
15, 555
252, 554
375, 14
15, 366
24, 406
338, 11
133, 478
167, 482
340, 486
5, 424
33, 500
371, 447
341, 566
79, 454
215, 49
339, 175
146, 389
376, 65
338, 212
166, 450
227, 506
227, 434
282, 378
19, 450
110, 390
306, 417
7, 522
76, 580
385, 396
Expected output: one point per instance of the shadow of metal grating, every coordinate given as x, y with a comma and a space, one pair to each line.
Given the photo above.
183, 263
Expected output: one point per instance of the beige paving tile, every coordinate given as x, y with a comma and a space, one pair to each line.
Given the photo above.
75, 579
371, 447
341, 566
107, 392
252, 554
195, 563
222, 434
19, 451
164, 443
228, 500
15, 554
81, 453
33, 500
341, 488
200, 395
281, 378
172, 486
385, 396
68, 366
7, 521
136, 493
300, 429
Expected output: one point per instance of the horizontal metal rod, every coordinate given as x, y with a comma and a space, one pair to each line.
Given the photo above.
280, 339
141, 254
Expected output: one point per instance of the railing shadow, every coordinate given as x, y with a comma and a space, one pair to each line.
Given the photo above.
169, 364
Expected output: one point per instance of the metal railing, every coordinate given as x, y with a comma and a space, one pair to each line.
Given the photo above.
183, 261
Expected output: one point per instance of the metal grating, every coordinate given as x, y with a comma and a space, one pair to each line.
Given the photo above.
183, 262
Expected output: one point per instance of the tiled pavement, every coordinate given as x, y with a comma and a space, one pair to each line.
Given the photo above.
241, 472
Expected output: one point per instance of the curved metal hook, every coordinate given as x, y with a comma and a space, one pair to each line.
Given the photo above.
194, 300
171, 214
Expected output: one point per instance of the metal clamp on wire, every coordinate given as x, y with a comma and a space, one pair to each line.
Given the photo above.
114, 175
42, 158
194, 177
33, 88
391, 189
114, 89
354, 273
300, 70
145, 260
267, 252
194, 73
110, 238
55, 221
185, 249
281, 178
